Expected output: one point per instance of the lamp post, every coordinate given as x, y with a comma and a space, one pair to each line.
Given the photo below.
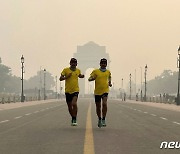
56, 86
40, 85
22, 69
130, 85
122, 93
178, 65
145, 73
141, 83
44, 84
62, 88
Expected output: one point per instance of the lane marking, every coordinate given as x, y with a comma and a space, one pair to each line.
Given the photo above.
176, 122
4, 121
89, 141
163, 118
18, 117
153, 115
28, 114
145, 112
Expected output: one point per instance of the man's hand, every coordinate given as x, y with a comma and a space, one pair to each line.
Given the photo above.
110, 84
91, 78
81, 75
62, 77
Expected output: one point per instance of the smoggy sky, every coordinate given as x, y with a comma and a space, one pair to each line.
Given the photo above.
47, 33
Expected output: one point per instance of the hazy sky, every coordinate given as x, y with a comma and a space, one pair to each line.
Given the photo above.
47, 33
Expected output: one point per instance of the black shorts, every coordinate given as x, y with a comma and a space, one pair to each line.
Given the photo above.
99, 97
69, 96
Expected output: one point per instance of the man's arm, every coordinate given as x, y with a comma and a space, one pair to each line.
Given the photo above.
91, 78
110, 84
63, 77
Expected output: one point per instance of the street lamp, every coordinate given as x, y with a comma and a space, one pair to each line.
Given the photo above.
122, 93
130, 85
40, 85
44, 84
61, 88
145, 73
56, 86
141, 83
22, 69
178, 66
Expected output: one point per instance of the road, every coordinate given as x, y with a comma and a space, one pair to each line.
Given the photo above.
45, 129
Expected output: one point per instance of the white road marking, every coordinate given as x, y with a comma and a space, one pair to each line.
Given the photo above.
18, 117
153, 115
145, 112
176, 122
28, 114
163, 118
4, 121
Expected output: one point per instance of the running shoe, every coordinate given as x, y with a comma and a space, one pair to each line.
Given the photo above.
103, 123
74, 123
99, 123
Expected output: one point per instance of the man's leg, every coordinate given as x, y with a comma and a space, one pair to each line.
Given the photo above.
104, 109
104, 106
98, 109
98, 105
69, 102
74, 106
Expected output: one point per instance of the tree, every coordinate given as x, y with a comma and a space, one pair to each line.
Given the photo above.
5, 73
34, 82
165, 83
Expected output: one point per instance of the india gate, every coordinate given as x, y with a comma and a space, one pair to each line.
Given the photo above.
88, 56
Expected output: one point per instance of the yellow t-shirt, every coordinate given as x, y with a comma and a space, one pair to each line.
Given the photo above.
101, 81
71, 83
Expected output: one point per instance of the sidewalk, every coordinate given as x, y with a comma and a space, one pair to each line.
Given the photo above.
22, 104
172, 107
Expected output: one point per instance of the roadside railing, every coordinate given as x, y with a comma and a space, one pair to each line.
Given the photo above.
14, 99
157, 99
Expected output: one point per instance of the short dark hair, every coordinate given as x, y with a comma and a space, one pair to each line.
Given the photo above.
103, 60
73, 60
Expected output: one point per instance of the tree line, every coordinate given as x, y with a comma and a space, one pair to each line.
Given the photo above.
12, 84
166, 82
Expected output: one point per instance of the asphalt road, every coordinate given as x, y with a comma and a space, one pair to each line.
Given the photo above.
45, 129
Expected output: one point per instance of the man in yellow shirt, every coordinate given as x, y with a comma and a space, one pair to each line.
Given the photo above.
102, 78
70, 75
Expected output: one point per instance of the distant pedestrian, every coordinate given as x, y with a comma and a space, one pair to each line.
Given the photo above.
102, 78
70, 75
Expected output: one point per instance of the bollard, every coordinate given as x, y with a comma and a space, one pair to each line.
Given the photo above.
3, 100
9, 100
14, 99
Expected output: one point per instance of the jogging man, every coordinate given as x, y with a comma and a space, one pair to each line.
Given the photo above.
102, 78
70, 75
